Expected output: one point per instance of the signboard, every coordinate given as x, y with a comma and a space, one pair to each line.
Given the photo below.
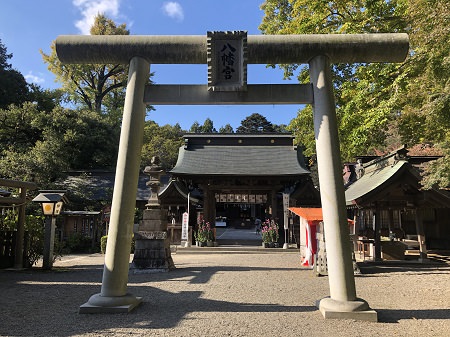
185, 227
286, 209
240, 198
227, 61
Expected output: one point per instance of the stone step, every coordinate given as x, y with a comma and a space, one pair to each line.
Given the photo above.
231, 249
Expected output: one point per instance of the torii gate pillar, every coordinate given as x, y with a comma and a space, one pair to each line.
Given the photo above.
342, 302
113, 296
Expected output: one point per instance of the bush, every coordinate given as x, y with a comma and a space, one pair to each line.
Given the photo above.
104, 239
34, 227
103, 244
78, 243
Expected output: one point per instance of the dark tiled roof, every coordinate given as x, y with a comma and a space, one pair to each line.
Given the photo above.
371, 181
239, 154
177, 192
99, 185
385, 177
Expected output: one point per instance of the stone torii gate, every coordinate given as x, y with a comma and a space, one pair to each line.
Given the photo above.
319, 51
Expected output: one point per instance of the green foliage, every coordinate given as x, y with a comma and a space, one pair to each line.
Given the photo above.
226, 129
13, 87
163, 142
302, 127
8, 221
195, 127
208, 126
104, 240
437, 173
99, 88
269, 231
83, 148
78, 243
39, 146
204, 232
255, 123
34, 233
34, 226
4, 57
379, 106
365, 106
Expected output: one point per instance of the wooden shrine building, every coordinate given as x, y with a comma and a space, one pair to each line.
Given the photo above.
242, 176
391, 209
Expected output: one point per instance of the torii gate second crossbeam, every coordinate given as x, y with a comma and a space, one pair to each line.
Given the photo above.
319, 51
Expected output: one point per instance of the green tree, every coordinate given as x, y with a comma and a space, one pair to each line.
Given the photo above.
208, 126
40, 145
195, 128
100, 87
424, 89
302, 127
163, 142
18, 129
255, 123
363, 92
13, 87
226, 129
4, 57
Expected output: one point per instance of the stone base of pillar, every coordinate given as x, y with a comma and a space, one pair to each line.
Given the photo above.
152, 244
357, 310
98, 304
152, 254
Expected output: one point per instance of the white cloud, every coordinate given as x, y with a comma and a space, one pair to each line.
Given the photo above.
91, 8
31, 78
174, 10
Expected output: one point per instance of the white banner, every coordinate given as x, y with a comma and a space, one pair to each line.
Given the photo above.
185, 227
286, 209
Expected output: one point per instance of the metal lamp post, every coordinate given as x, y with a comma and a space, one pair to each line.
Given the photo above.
51, 202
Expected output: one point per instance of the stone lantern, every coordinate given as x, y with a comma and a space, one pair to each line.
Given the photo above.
152, 244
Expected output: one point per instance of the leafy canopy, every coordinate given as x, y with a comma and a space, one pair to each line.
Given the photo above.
362, 91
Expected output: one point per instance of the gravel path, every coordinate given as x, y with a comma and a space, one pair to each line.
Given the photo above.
224, 295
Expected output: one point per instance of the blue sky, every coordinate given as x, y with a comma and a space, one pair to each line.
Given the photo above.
26, 26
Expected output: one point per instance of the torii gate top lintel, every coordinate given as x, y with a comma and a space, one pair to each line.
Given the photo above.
261, 49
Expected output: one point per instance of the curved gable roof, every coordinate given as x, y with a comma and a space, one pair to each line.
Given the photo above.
370, 182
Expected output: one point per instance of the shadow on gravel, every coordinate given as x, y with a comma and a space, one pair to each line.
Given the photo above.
369, 268
50, 301
200, 275
394, 316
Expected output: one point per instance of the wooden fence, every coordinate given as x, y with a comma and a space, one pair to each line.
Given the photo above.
7, 249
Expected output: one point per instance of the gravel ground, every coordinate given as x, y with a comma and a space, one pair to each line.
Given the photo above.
224, 295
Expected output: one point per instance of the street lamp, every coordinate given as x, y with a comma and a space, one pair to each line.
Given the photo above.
51, 202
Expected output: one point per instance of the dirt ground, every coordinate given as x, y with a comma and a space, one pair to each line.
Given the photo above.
226, 294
